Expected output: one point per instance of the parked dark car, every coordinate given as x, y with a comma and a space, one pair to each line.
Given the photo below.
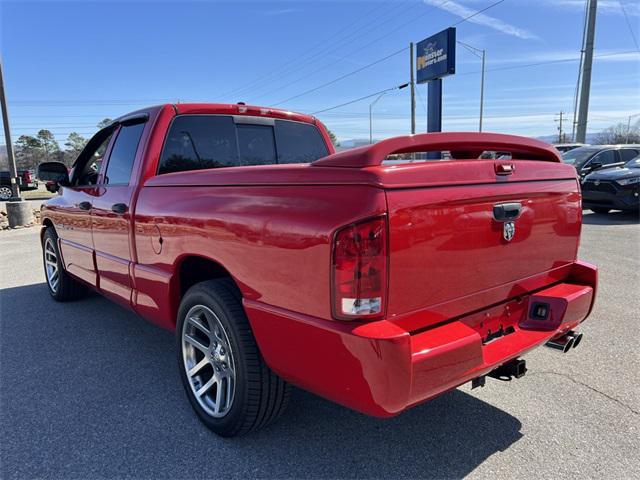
26, 181
615, 188
589, 158
565, 147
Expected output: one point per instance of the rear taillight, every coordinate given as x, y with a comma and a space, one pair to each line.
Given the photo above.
359, 270
27, 176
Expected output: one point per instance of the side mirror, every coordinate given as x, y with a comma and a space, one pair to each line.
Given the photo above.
595, 166
54, 172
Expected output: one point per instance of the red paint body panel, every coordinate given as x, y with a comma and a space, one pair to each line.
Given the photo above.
452, 277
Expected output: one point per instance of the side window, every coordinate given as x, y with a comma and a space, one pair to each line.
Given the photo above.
299, 142
606, 157
123, 154
627, 154
196, 142
256, 144
88, 164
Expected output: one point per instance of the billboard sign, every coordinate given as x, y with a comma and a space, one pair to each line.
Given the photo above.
436, 56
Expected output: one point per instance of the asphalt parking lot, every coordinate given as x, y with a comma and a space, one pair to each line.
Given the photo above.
90, 390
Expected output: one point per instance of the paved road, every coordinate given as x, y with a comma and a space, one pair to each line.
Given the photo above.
89, 390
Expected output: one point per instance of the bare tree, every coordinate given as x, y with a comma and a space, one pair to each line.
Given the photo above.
619, 133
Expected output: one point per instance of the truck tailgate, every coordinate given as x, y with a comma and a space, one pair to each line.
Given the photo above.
450, 254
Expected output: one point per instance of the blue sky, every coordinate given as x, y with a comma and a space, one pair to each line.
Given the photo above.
70, 64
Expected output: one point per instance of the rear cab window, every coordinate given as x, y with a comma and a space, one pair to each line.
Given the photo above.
197, 142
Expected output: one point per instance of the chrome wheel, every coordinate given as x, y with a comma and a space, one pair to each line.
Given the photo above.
5, 193
51, 265
208, 361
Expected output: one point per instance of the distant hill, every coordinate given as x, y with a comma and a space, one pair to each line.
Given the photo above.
590, 138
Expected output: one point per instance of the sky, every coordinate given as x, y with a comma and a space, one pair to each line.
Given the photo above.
70, 64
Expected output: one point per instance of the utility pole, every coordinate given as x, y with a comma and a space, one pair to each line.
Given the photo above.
18, 212
560, 132
413, 90
629, 126
13, 171
585, 87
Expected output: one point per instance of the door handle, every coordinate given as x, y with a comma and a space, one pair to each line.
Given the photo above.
84, 205
504, 168
119, 208
505, 212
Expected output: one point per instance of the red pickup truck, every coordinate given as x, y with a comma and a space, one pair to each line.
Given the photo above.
277, 261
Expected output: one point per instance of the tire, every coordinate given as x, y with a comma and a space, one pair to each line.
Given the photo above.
62, 286
245, 394
601, 211
5, 192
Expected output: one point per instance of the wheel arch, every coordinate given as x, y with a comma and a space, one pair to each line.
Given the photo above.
191, 269
46, 223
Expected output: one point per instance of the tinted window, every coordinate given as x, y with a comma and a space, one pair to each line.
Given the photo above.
88, 164
635, 163
257, 145
606, 157
210, 141
199, 142
578, 156
123, 154
298, 142
627, 154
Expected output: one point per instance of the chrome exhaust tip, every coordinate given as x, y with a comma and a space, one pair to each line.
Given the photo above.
577, 338
563, 343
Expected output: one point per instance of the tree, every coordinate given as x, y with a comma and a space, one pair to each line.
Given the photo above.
73, 146
619, 133
332, 136
28, 151
48, 144
104, 123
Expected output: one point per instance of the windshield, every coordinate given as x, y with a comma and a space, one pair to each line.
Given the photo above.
633, 163
578, 156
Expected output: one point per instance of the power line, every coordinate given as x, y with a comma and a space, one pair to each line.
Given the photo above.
360, 99
513, 67
287, 66
370, 42
549, 62
633, 35
380, 38
478, 12
326, 84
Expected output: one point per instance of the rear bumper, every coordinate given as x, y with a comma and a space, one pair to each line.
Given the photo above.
381, 369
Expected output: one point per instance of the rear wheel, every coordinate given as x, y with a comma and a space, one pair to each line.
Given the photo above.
226, 379
602, 211
5, 193
62, 286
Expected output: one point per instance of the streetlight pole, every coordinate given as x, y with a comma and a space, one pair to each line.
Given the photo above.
371, 116
382, 93
481, 54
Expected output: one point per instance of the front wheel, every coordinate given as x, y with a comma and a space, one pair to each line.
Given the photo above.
62, 286
227, 382
602, 211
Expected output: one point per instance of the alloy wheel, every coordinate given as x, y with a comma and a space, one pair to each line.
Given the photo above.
51, 265
5, 193
208, 361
